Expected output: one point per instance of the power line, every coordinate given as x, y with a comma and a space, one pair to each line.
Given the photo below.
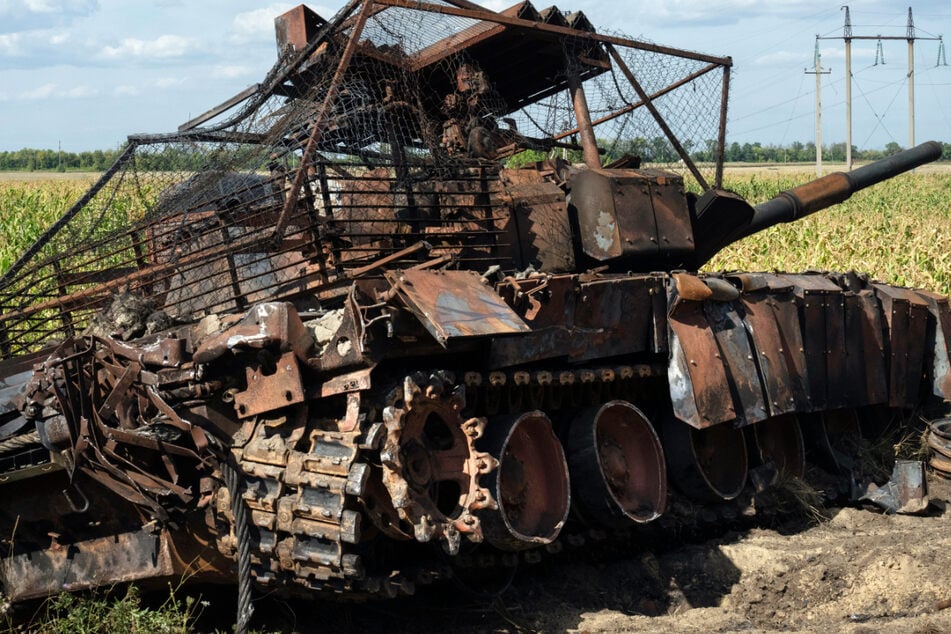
911, 35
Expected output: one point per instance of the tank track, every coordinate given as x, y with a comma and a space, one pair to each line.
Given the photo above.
306, 528
314, 491
306, 484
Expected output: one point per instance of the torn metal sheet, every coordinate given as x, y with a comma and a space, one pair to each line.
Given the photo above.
906, 492
267, 324
455, 304
698, 378
760, 322
738, 356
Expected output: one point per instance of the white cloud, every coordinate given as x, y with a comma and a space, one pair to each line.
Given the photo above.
10, 44
42, 92
495, 5
81, 92
51, 90
24, 15
126, 90
39, 6
233, 71
720, 12
169, 82
258, 24
858, 53
163, 47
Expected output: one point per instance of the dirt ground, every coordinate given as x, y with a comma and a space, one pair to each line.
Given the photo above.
858, 571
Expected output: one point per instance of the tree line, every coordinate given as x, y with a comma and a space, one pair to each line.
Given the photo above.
653, 150
798, 152
36, 160
659, 150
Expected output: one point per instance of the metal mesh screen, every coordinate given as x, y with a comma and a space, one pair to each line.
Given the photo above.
352, 154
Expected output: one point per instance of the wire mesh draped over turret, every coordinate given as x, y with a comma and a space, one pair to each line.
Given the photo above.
408, 128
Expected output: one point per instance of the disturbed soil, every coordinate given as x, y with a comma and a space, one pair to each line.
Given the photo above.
856, 570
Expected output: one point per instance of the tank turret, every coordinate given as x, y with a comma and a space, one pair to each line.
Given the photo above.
642, 220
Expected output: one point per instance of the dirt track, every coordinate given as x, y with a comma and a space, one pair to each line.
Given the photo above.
859, 571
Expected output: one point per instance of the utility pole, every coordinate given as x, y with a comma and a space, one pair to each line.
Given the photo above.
847, 36
818, 72
911, 36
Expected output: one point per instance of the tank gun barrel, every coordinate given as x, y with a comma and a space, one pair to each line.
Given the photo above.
832, 189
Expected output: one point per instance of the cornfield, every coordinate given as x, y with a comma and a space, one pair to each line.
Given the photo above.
898, 231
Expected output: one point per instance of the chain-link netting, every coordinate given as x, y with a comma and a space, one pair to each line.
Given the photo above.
397, 141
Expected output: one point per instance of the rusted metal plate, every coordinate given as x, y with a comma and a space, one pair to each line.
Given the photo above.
544, 233
103, 561
786, 313
873, 348
941, 366
610, 314
760, 322
906, 320
697, 376
857, 383
296, 28
272, 323
601, 317
455, 304
543, 300
813, 292
631, 213
837, 386
674, 232
270, 391
738, 356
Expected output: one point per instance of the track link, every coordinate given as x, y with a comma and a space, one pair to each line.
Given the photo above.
303, 482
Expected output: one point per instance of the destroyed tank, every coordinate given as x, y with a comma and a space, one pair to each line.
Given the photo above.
428, 291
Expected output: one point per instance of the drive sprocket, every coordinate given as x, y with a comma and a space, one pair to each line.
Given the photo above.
430, 466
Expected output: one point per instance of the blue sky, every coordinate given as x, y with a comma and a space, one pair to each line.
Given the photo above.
86, 73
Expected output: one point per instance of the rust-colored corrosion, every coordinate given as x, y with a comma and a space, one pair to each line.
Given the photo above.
371, 331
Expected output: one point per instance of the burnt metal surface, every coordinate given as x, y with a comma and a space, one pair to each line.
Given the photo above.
906, 321
88, 564
707, 465
530, 485
618, 464
905, 492
456, 304
632, 214
778, 440
848, 340
345, 325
